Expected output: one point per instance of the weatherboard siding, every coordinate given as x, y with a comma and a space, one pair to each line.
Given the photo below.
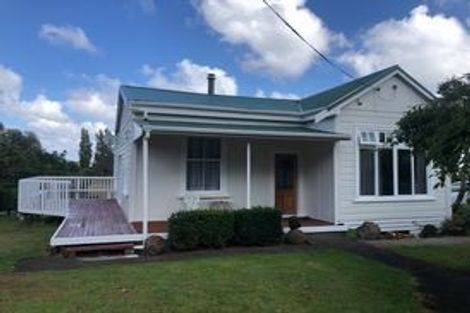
167, 175
379, 109
124, 164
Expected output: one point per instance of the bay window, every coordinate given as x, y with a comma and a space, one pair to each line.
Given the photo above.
203, 164
386, 170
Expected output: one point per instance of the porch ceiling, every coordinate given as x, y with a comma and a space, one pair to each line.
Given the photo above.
227, 129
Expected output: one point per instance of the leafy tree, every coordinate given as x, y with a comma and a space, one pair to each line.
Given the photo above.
21, 155
103, 161
85, 151
441, 130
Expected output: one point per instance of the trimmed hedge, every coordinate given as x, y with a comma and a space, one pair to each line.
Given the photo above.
259, 226
209, 228
189, 230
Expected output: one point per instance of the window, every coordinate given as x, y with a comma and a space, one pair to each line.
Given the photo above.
404, 172
420, 176
367, 172
203, 164
385, 172
389, 171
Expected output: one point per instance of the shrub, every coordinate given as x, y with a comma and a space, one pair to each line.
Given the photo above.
259, 226
189, 230
429, 231
459, 224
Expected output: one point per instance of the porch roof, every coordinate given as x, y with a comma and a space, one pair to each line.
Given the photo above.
299, 132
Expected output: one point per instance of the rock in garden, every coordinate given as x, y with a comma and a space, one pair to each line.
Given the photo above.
154, 245
293, 222
429, 231
368, 231
297, 237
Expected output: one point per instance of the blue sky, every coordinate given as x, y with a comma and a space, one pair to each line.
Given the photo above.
61, 62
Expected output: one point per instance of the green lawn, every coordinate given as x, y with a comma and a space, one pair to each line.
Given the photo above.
455, 256
19, 239
316, 281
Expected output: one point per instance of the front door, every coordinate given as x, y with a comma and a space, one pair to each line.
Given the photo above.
286, 183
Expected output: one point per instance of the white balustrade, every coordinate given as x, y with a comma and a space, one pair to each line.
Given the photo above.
50, 195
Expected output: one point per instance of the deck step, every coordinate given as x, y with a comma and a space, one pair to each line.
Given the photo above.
71, 251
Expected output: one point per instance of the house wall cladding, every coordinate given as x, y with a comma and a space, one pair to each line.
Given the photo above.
379, 110
167, 157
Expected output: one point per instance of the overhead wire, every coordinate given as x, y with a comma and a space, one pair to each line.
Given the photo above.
311, 46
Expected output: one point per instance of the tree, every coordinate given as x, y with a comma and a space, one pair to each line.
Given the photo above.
21, 155
103, 161
85, 151
441, 130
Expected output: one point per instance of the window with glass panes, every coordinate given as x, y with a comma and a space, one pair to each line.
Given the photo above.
380, 164
203, 164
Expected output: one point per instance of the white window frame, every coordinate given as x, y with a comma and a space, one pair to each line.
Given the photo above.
221, 193
364, 138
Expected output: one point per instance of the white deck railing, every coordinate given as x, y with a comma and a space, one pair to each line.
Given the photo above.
50, 195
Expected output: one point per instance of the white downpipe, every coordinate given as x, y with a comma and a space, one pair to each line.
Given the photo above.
248, 175
145, 173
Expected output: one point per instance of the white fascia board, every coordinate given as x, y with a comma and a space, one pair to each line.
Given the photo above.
216, 121
244, 133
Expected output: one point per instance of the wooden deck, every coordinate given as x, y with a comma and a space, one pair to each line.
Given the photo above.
94, 221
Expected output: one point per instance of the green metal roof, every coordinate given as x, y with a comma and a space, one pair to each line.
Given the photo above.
331, 97
320, 101
144, 94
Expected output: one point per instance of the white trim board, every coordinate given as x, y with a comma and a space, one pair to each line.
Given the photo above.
73, 241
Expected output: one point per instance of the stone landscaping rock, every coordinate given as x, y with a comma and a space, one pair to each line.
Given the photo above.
298, 237
293, 222
429, 231
154, 245
369, 231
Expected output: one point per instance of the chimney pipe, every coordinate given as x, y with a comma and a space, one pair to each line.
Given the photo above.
210, 83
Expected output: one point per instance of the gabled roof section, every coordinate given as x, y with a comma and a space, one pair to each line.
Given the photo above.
162, 96
325, 100
329, 98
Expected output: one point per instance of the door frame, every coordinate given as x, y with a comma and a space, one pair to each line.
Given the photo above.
297, 181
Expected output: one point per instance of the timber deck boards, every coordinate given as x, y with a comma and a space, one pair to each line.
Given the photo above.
92, 217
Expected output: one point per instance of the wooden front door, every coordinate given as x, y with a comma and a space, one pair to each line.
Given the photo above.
286, 183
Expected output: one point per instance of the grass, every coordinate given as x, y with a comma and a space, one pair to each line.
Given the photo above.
456, 256
19, 239
316, 281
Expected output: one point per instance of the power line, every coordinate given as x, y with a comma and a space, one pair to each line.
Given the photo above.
324, 57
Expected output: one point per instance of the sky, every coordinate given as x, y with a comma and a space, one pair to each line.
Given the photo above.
62, 62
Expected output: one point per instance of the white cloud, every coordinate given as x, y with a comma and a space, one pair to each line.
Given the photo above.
67, 35
96, 102
273, 47
276, 95
189, 76
48, 118
43, 108
432, 47
10, 87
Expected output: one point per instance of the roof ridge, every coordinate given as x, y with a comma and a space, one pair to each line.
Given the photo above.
293, 101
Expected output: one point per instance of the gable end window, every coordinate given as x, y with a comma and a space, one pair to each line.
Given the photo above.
203, 164
389, 170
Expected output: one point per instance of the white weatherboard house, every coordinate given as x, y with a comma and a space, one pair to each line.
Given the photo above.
323, 157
